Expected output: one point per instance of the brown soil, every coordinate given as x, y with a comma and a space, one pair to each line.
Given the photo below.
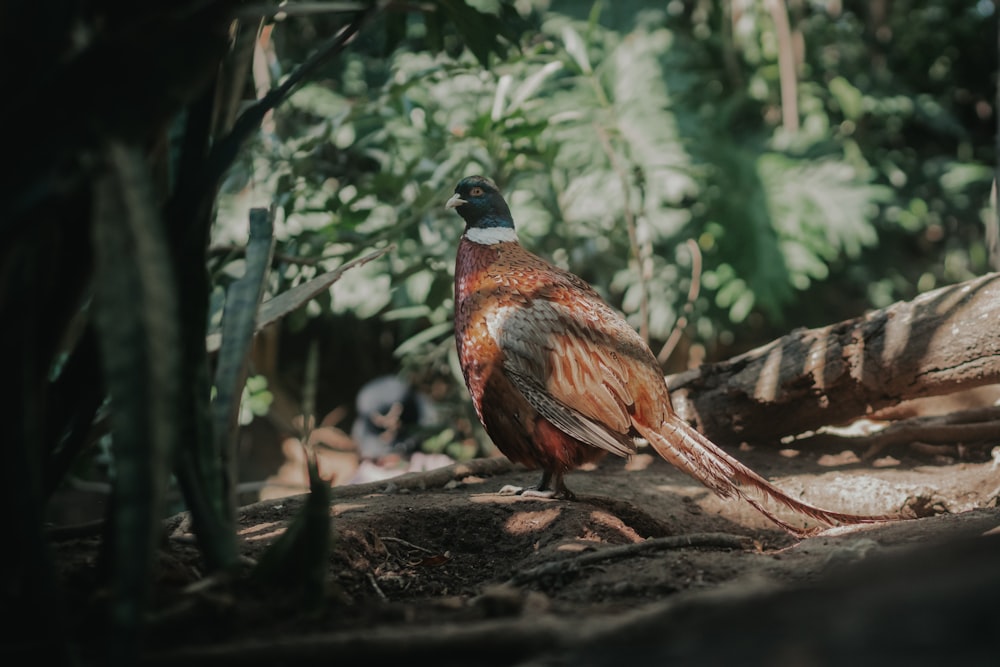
646, 564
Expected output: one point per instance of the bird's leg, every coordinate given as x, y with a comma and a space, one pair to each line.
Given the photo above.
550, 486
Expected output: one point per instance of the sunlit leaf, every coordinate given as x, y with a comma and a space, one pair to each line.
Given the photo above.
320, 101
531, 85
429, 334
576, 49
848, 97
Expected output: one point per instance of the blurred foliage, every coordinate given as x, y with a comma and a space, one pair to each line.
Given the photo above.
257, 399
617, 131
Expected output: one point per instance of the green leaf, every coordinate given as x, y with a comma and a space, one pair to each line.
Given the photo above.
281, 305
481, 30
824, 204
958, 176
238, 327
576, 48
429, 334
320, 101
741, 307
848, 97
531, 85
136, 317
406, 313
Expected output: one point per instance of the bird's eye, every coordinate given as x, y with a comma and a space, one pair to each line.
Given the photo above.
476, 192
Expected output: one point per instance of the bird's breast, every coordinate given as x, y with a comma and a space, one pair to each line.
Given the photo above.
476, 291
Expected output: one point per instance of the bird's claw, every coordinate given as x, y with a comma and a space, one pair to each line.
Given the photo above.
531, 492
526, 492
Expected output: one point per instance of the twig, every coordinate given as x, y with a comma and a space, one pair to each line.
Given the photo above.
407, 544
640, 254
993, 221
931, 435
378, 591
309, 403
963, 426
710, 540
216, 580
682, 321
239, 251
426, 479
180, 524
786, 66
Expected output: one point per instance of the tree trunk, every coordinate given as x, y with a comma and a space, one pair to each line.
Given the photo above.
941, 342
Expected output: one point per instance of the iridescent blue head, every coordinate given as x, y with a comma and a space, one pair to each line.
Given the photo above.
480, 204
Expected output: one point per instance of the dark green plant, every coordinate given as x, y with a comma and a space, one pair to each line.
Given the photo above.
104, 287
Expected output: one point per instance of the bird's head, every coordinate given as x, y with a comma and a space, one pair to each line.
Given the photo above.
480, 204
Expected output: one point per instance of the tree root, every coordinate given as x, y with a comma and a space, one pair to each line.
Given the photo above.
980, 425
694, 540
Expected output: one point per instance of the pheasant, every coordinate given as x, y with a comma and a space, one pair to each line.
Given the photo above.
557, 376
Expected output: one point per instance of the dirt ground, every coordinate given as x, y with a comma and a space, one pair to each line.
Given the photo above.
645, 565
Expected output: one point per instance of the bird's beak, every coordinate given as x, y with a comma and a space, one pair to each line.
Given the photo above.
454, 202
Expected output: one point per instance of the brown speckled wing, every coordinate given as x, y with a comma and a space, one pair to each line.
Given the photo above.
576, 361
568, 420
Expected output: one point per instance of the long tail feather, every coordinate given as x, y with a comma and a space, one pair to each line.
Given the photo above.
685, 448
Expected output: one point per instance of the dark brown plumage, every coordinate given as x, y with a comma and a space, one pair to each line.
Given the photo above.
559, 378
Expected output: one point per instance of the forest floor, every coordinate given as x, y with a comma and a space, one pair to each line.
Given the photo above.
646, 564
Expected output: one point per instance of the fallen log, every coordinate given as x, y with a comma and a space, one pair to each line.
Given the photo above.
941, 342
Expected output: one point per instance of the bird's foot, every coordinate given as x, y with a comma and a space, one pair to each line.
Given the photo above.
550, 486
535, 492
532, 492
526, 492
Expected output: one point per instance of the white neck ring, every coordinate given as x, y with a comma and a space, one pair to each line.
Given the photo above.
491, 235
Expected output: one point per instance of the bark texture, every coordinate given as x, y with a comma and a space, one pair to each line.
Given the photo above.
941, 342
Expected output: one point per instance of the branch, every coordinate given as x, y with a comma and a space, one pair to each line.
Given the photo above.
786, 66
641, 253
573, 564
413, 481
980, 425
682, 321
279, 258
